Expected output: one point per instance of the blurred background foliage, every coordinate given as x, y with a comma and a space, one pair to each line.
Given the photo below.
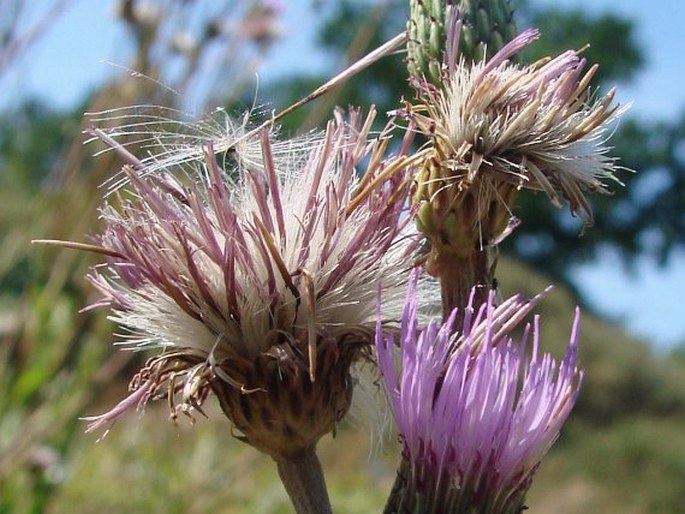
624, 448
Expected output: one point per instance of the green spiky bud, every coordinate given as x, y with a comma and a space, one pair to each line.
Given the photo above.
426, 44
488, 24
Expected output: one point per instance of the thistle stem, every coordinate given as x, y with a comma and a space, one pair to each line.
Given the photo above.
396, 503
303, 479
458, 275
421, 494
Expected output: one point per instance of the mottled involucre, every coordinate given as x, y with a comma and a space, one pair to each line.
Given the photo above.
476, 411
259, 283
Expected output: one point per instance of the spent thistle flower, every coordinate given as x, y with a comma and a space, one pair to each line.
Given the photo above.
497, 127
257, 284
476, 410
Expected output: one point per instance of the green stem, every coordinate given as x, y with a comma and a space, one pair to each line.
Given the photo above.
419, 491
458, 275
396, 503
303, 479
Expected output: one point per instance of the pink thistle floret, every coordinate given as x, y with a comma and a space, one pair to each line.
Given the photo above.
274, 261
476, 410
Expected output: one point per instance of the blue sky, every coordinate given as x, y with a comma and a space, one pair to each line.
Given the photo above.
69, 60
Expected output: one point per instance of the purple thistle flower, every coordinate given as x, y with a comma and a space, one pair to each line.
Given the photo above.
476, 411
258, 284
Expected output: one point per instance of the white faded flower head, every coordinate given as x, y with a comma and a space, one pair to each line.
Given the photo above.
260, 283
497, 127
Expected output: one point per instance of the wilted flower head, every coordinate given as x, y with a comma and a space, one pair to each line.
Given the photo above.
259, 283
476, 411
497, 127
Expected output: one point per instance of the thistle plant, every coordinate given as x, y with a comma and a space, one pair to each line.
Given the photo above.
494, 128
261, 270
476, 410
259, 285
475, 414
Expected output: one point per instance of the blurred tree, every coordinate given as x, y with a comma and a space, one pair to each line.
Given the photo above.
32, 139
644, 218
348, 30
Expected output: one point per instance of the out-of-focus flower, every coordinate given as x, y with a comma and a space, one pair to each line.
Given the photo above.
258, 283
496, 127
476, 411
262, 24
